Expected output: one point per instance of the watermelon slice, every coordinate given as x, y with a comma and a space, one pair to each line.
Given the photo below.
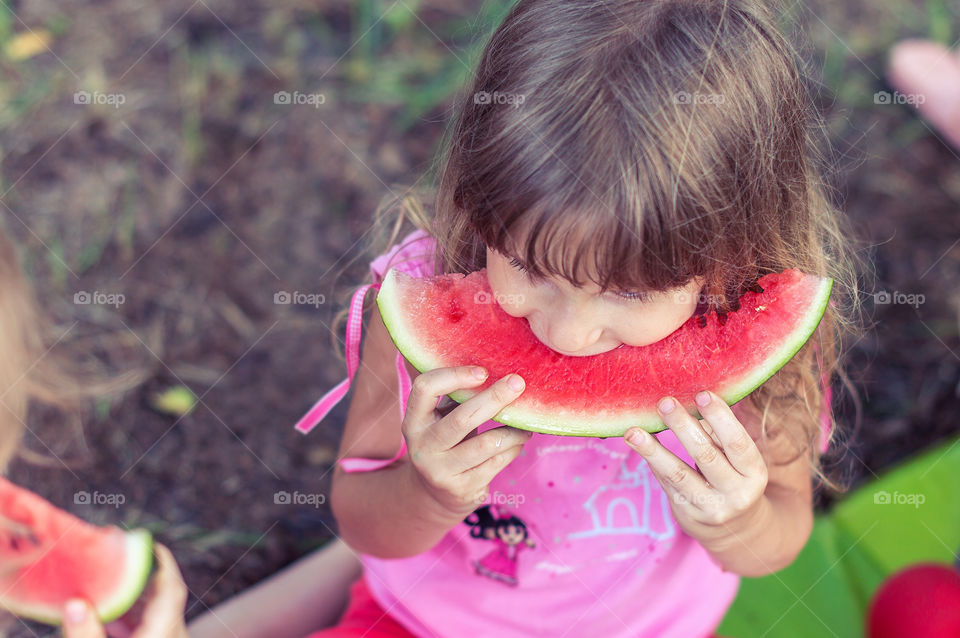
48, 556
450, 320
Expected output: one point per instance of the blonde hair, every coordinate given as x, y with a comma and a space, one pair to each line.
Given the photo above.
682, 135
34, 369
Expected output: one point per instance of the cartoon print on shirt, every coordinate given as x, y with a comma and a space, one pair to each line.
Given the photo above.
611, 513
510, 535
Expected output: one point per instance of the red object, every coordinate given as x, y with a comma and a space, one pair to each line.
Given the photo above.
364, 617
920, 600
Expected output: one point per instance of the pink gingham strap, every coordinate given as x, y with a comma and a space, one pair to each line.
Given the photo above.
354, 325
361, 464
413, 256
326, 403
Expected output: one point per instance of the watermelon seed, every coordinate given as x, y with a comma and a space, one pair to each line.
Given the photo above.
20, 541
756, 287
454, 312
722, 318
701, 321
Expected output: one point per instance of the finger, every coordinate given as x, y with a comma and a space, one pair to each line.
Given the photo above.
741, 450
426, 390
487, 445
710, 459
709, 430
163, 614
476, 411
80, 621
681, 482
485, 472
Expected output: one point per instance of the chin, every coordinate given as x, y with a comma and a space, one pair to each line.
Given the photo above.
586, 352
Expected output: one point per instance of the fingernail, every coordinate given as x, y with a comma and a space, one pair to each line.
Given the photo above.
666, 406
479, 373
75, 612
636, 437
515, 382
702, 398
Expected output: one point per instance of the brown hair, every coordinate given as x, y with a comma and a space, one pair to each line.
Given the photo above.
682, 134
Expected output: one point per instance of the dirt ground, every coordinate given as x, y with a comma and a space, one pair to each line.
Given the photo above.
200, 197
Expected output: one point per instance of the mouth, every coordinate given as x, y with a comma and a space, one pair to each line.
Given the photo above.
583, 354
589, 353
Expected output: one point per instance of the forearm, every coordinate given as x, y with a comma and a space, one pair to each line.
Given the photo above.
769, 540
387, 513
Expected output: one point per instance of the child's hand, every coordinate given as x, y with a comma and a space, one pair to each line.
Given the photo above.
455, 465
725, 495
158, 613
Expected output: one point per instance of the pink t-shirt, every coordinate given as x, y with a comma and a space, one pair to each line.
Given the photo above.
576, 539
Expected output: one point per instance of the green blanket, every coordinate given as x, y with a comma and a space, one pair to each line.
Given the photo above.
910, 515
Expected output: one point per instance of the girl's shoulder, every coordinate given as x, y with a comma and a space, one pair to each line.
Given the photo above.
413, 255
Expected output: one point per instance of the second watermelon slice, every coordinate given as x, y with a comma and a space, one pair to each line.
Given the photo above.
48, 556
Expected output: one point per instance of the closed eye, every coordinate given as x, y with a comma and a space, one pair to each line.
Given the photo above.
639, 296
629, 295
516, 263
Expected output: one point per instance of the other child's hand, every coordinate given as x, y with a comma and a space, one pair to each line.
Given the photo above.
158, 614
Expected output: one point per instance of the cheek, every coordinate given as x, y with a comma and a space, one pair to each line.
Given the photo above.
511, 289
647, 325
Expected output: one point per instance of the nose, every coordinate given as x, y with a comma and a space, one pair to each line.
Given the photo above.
573, 330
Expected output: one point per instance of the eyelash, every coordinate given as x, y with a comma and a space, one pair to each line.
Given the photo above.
638, 297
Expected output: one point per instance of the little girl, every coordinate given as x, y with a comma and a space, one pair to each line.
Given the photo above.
607, 158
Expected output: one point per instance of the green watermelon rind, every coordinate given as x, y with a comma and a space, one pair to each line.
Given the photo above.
601, 426
140, 544
139, 552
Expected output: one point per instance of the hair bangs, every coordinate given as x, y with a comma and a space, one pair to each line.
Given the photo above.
607, 245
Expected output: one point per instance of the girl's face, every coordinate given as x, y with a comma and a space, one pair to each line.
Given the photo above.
582, 321
510, 534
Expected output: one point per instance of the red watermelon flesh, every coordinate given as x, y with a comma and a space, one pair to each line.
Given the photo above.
48, 556
451, 320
